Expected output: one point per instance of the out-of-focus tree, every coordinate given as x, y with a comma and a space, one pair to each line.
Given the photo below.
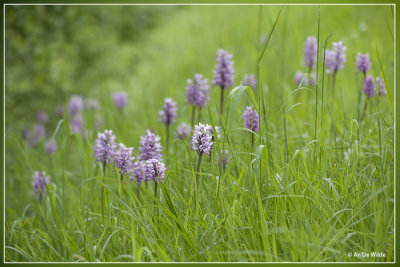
53, 51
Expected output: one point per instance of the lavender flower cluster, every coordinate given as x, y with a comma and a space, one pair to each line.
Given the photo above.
40, 183
202, 139
168, 114
225, 159
363, 65
250, 80
120, 99
310, 60
197, 91
150, 149
224, 72
149, 165
335, 58
38, 132
75, 109
105, 147
183, 131
251, 119
310, 52
121, 157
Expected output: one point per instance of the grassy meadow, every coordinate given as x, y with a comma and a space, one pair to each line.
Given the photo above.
336, 194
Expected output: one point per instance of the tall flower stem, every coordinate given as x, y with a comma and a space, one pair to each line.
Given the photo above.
333, 83
155, 192
365, 109
222, 100
193, 113
155, 198
167, 139
198, 170
199, 116
102, 193
138, 192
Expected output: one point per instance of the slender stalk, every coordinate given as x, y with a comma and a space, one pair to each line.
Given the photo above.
365, 109
222, 100
155, 192
167, 139
138, 192
102, 193
333, 83
155, 197
198, 170
199, 116
193, 112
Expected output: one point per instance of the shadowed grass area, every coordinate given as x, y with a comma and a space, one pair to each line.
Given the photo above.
316, 185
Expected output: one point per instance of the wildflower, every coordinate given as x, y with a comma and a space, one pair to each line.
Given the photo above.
335, 59
363, 63
202, 139
42, 117
298, 77
154, 170
310, 52
150, 146
168, 114
223, 73
251, 119
369, 86
217, 131
183, 131
202, 143
92, 104
138, 171
123, 159
225, 159
279, 179
40, 183
105, 146
381, 86
39, 133
76, 124
197, 91
60, 110
307, 80
250, 80
50, 147
75, 104
330, 61
120, 99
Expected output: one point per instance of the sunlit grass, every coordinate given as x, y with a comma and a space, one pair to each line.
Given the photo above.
337, 171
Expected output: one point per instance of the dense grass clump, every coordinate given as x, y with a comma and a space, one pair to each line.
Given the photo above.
291, 160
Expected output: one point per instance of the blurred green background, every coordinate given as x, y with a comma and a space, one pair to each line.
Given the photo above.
55, 51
